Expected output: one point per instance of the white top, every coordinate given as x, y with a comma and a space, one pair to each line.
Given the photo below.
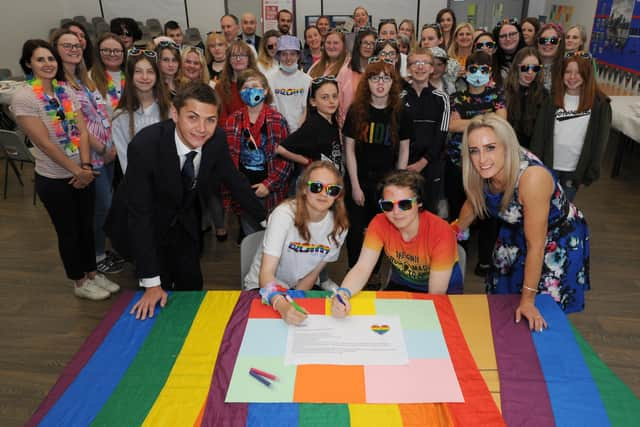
290, 95
568, 134
266, 70
297, 257
120, 128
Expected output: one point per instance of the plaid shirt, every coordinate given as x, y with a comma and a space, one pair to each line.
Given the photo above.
278, 169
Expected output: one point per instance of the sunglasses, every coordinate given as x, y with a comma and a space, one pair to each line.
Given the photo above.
579, 53
392, 42
484, 69
548, 40
488, 45
124, 33
271, 46
403, 205
375, 59
436, 26
251, 144
511, 35
167, 43
332, 190
530, 67
507, 21
134, 51
59, 110
187, 49
375, 79
322, 79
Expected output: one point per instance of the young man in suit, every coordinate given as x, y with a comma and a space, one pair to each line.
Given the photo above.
174, 166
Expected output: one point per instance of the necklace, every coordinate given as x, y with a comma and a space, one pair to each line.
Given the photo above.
61, 114
111, 89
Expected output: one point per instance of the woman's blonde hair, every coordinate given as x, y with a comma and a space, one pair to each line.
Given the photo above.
204, 71
474, 184
213, 37
453, 47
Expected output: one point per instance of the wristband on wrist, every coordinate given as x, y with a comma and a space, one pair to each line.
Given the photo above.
270, 290
345, 290
530, 289
460, 235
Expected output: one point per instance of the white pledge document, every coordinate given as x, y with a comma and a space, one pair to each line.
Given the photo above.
354, 340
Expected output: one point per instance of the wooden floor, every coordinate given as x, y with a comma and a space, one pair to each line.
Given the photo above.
43, 324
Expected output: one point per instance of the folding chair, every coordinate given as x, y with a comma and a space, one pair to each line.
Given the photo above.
15, 150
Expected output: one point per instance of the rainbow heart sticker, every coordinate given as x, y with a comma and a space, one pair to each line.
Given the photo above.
380, 329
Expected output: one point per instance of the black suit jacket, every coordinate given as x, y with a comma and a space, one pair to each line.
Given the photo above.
150, 199
257, 39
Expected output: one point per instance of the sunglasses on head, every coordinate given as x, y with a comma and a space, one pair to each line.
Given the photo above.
134, 51
187, 48
425, 26
332, 190
403, 205
387, 21
167, 43
530, 67
488, 45
548, 40
322, 79
484, 69
507, 21
579, 53
392, 42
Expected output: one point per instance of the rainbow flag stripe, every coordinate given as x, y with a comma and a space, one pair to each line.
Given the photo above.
175, 369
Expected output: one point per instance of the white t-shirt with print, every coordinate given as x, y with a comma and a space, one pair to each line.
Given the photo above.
290, 93
297, 257
569, 131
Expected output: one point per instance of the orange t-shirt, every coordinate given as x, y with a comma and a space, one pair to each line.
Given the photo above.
433, 248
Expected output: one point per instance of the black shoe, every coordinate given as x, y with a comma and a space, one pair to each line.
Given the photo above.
222, 237
107, 266
115, 258
482, 270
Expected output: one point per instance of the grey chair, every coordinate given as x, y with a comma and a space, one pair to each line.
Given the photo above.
5, 73
15, 150
64, 21
101, 28
80, 18
97, 19
248, 248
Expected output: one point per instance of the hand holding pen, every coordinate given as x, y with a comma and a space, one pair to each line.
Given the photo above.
340, 306
290, 311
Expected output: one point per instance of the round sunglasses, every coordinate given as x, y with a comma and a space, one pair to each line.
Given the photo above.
403, 205
484, 69
332, 190
530, 67
488, 45
548, 40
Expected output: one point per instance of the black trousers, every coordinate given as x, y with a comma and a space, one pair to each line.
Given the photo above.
433, 175
71, 211
454, 190
359, 218
180, 259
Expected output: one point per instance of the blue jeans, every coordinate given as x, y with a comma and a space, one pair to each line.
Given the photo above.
103, 203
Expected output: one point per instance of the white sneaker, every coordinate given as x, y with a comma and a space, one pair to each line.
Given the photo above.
106, 284
329, 285
89, 290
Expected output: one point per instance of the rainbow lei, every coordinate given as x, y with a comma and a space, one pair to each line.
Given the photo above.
111, 89
66, 129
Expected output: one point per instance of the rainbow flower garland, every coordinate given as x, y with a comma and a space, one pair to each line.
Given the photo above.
66, 129
111, 89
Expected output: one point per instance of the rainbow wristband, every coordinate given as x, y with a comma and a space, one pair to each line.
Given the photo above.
460, 235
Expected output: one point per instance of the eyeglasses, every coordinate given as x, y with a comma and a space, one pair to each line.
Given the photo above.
332, 190
134, 51
187, 49
548, 40
391, 54
403, 205
385, 79
322, 79
111, 52
488, 45
71, 46
368, 44
271, 46
167, 43
375, 59
420, 63
484, 69
238, 57
578, 53
530, 67
251, 144
511, 35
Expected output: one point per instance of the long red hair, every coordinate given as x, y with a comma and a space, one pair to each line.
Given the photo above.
589, 90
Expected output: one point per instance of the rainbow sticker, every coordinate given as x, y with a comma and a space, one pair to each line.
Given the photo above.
380, 329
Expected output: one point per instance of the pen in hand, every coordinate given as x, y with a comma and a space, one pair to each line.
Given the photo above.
335, 292
295, 305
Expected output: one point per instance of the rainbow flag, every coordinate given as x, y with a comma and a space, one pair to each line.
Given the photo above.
175, 369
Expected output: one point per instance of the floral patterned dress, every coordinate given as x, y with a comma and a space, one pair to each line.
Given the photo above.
565, 268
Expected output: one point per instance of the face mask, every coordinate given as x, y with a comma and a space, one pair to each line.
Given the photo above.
477, 79
289, 69
252, 96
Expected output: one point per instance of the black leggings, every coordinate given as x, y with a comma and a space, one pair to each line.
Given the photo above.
71, 212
